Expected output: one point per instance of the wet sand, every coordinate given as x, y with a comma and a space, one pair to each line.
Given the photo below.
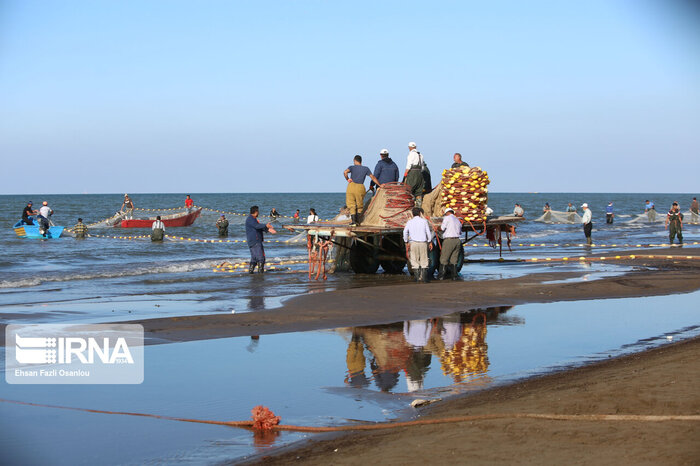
392, 303
661, 381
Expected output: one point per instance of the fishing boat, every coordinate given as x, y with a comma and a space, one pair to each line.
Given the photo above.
181, 219
32, 231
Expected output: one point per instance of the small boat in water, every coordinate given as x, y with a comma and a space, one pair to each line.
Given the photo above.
33, 231
181, 219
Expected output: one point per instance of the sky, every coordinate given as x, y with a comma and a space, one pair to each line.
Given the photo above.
278, 96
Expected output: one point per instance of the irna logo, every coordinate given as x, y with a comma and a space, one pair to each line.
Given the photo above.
66, 350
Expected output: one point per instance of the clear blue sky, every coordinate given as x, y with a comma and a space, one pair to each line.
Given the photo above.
224, 96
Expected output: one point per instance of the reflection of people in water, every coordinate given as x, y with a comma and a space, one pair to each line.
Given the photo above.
355, 360
417, 333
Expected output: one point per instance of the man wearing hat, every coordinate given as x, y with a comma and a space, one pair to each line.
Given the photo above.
27, 212
222, 225
386, 171
452, 230
587, 221
413, 176
44, 213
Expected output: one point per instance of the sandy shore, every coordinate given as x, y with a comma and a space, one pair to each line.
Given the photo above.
388, 304
662, 381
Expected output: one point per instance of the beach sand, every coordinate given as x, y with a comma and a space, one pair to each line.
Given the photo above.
661, 381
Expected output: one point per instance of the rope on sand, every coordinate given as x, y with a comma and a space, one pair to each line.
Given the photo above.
265, 420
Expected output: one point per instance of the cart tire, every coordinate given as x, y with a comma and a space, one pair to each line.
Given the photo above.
396, 248
460, 259
433, 260
363, 258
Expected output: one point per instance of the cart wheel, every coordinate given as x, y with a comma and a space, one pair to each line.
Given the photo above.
460, 259
363, 258
396, 248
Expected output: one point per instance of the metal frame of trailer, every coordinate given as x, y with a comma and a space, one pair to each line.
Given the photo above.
372, 246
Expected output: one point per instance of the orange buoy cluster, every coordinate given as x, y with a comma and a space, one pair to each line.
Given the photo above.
465, 190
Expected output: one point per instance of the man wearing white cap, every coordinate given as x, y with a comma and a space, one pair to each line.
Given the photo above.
452, 230
587, 221
413, 175
386, 171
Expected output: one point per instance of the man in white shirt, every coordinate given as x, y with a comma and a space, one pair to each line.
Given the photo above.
518, 211
418, 238
413, 175
452, 230
157, 230
587, 221
43, 218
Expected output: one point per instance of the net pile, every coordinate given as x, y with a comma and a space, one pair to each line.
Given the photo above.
555, 216
465, 190
390, 207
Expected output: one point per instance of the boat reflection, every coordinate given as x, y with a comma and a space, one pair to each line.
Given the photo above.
458, 341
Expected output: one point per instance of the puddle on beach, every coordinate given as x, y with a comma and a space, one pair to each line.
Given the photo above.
323, 377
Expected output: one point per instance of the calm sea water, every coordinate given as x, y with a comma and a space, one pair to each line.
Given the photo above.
102, 278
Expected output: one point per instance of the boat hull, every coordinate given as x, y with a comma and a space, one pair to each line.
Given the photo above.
178, 220
32, 232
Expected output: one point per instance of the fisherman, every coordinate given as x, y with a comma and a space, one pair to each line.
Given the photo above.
674, 223
80, 230
650, 210
518, 211
488, 211
587, 221
343, 214
571, 212
274, 215
413, 176
28, 212
546, 208
386, 170
355, 175
451, 244
222, 225
189, 203
458, 161
157, 230
254, 235
296, 216
418, 239
609, 215
312, 218
128, 204
694, 212
43, 218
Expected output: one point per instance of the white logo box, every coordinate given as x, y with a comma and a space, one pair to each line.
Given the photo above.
74, 354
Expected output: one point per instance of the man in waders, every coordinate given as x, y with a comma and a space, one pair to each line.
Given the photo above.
80, 230
650, 210
254, 234
587, 221
413, 176
694, 211
355, 175
451, 243
674, 223
418, 238
157, 230
222, 225
609, 214
43, 218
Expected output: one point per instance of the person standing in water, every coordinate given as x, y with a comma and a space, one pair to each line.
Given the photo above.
80, 230
157, 230
674, 223
222, 225
609, 215
254, 235
694, 212
571, 212
650, 210
587, 221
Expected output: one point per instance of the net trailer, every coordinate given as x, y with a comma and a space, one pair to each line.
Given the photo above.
366, 248
378, 239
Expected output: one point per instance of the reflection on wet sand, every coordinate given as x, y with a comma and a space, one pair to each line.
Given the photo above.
457, 340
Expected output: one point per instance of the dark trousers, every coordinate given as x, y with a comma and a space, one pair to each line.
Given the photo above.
609, 218
587, 229
257, 254
674, 230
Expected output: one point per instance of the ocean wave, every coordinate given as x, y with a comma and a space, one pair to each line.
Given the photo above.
171, 268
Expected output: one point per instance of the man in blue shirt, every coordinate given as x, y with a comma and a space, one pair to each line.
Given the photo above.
650, 210
386, 170
355, 175
254, 234
609, 215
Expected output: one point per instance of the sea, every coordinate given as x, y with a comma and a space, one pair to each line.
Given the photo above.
326, 377
110, 277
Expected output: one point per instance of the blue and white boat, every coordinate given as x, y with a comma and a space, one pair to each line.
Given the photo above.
32, 231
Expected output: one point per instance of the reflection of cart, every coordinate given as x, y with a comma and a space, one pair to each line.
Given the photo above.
365, 248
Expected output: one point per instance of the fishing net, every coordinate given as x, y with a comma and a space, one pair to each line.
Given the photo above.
390, 207
463, 189
647, 217
555, 216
